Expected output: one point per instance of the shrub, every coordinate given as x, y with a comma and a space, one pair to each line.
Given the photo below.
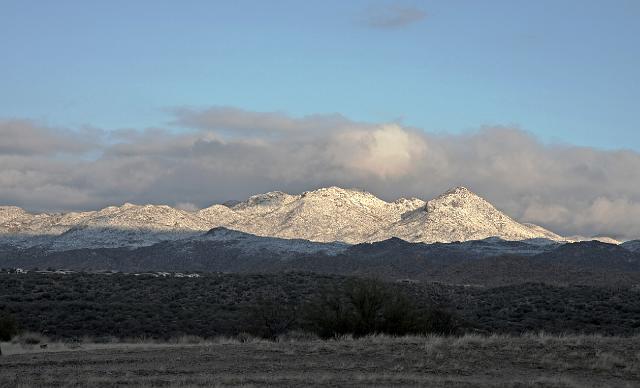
8, 327
440, 321
367, 307
329, 315
271, 319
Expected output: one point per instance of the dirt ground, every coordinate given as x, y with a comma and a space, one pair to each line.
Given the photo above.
469, 361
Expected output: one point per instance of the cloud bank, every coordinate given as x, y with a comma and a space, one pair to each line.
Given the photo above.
225, 153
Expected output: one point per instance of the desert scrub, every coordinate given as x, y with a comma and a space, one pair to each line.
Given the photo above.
366, 306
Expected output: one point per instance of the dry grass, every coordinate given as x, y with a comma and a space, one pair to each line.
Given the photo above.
532, 360
29, 343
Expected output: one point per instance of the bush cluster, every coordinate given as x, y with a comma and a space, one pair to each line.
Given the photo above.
367, 307
8, 327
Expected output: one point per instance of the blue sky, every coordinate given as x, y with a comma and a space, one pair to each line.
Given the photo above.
531, 104
566, 71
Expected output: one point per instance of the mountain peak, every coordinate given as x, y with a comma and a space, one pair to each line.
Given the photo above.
459, 191
461, 215
458, 197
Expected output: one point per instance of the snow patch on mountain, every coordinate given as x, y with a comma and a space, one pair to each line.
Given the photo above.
85, 236
603, 239
9, 213
249, 243
264, 203
219, 215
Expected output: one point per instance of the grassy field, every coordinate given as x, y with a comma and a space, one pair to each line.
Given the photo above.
468, 361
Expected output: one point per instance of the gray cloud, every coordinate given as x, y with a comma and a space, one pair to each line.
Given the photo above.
228, 153
24, 137
392, 16
231, 119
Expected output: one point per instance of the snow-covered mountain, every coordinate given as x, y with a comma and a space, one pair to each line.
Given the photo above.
460, 215
16, 221
131, 225
323, 215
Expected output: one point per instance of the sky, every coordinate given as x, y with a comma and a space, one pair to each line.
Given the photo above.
531, 104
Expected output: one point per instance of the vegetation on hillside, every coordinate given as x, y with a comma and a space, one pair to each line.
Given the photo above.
267, 305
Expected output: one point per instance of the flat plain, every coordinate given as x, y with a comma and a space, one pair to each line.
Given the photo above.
468, 361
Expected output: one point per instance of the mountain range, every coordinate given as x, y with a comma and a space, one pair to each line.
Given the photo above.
488, 262
457, 237
325, 215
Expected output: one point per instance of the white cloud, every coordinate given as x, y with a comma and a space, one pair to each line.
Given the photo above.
385, 152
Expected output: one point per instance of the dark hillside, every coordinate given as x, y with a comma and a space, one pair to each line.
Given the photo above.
213, 304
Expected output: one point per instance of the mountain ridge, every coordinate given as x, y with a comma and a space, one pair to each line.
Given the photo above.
329, 214
480, 262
